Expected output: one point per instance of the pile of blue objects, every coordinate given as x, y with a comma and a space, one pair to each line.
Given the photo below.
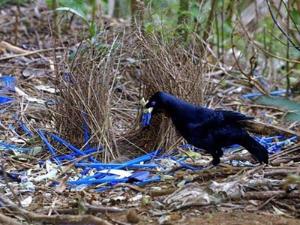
139, 171
103, 176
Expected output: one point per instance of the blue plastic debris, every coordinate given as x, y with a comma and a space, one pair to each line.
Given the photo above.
6, 100
147, 181
138, 170
257, 94
276, 143
98, 177
139, 175
146, 119
115, 165
49, 146
7, 146
7, 83
25, 129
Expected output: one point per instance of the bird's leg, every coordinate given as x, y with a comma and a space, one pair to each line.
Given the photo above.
216, 160
216, 156
219, 152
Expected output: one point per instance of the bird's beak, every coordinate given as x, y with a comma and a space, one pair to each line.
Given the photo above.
144, 103
148, 110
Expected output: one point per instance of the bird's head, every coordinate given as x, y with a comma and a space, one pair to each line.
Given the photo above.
154, 105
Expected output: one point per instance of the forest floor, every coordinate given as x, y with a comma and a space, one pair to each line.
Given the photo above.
35, 76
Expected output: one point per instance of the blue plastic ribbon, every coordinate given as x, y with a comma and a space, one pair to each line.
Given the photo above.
146, 119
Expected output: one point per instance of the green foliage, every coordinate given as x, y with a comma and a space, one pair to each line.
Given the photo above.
13, 2
82, 9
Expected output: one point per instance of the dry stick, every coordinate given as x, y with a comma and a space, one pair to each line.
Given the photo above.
293, 149
30, 53
280, 172
59, 219
8, 221
261, 127
266, 203
283, 205
262, 195
13, 48
98, 208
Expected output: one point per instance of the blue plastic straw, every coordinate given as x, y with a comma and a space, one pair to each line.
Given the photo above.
101, 166
26, 130
6, 100
73, 155
49, 146
7, 146
106, 179
147, 181
67, 144
257, 94
71, 147
91, 179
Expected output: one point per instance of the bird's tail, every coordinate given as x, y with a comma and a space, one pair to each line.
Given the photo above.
255, 148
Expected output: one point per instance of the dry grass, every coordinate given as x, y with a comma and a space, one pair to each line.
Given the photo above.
107, 81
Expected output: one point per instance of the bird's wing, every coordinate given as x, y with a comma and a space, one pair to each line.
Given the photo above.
231, 116
218, 119
209, 123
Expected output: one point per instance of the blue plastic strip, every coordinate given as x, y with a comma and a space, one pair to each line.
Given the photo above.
26, 130
7, 146
49, 146
106, 179
257, 94
147, 181
146, 119
91, 179
73, 155
101, 166
6, 100
71, 147
67, 144
8, 82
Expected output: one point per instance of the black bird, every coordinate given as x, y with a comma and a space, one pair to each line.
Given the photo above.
206, 128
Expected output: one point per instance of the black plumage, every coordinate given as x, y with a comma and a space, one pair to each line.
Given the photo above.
206, 128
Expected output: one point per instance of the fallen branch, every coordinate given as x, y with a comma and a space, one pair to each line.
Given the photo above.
30, 53
8, 221
267, 129
264, 195
57, 219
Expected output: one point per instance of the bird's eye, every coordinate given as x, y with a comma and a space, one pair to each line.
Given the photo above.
152, 104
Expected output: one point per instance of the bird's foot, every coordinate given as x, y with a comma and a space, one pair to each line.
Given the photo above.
216, 161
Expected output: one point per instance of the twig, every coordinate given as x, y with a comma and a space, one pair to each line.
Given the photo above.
58, 219
31, 53
8, 221
264, 128
279, 27
262, 195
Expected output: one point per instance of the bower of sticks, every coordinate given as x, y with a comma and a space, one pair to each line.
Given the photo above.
73, 150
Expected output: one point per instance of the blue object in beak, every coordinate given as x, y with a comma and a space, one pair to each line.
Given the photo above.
146, 119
